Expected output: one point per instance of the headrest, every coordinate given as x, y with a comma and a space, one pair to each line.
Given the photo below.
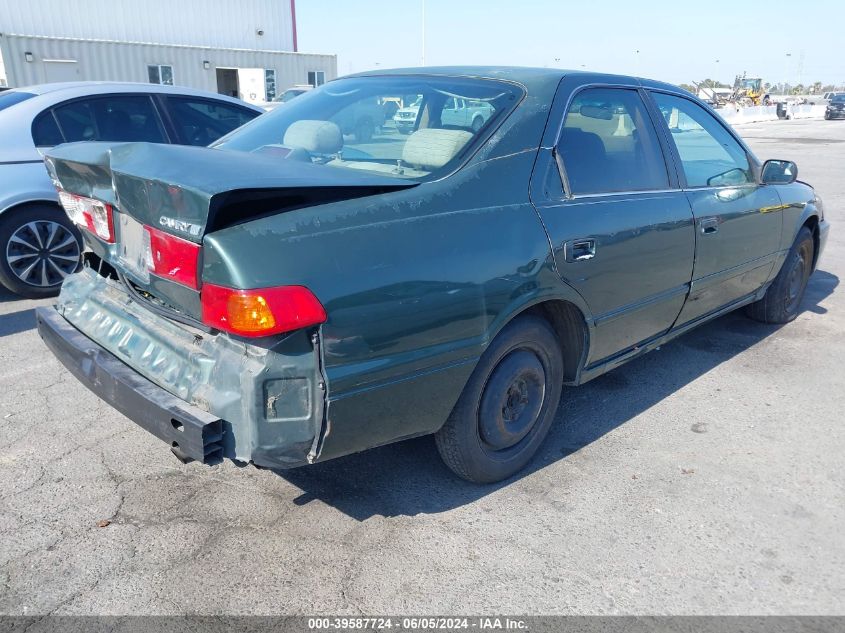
320, 137
431, 148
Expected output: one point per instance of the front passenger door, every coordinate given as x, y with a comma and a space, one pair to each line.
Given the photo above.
738, 221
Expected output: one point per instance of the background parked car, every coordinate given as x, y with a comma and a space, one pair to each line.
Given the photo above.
836, 107
39, 246
287, 95
456, 113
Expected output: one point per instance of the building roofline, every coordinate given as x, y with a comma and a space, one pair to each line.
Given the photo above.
188, 46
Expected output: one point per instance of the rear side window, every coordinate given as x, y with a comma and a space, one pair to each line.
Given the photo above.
130, 118
710, 156
12, 97
201, 122
608, 144
45, 131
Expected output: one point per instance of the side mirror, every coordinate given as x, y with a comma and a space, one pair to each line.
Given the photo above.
779, 172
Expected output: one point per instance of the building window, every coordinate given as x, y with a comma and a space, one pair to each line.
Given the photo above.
270, 84
160, 75
316, 78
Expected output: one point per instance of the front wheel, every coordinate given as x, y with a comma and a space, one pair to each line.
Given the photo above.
783, 298
39, 247
508, 405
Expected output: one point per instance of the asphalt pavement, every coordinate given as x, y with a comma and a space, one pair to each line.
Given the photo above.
704, 478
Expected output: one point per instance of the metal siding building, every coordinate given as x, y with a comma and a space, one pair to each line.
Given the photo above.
243, 48
211, 23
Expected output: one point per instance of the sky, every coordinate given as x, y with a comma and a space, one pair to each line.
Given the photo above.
670, 41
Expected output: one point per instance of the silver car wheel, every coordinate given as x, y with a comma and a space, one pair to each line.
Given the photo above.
42, 253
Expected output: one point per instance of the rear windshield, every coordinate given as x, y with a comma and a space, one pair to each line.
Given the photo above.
408, 127
11, 97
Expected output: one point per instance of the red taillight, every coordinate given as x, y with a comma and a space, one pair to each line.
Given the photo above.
260, 311
172, 257
91, 214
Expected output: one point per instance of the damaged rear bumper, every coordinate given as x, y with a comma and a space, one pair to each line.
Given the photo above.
207, 395
191, 432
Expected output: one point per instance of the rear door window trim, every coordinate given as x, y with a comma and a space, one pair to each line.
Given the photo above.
668, 160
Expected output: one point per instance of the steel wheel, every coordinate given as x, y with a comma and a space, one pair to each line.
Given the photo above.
782, 300
508, 404
798, 274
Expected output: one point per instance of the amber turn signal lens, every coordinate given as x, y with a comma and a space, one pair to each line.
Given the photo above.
250, 313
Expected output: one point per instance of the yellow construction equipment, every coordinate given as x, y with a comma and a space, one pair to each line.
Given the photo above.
747, 90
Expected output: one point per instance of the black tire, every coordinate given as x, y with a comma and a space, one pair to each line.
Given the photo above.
364, 130
52, 254
477, 124
507, 407
826, 116
782, 300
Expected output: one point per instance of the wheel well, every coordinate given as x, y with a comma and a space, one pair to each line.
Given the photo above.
29, 204
812, 223
568, 323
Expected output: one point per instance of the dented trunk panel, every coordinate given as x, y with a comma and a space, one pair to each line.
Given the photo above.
180, 189
272, 399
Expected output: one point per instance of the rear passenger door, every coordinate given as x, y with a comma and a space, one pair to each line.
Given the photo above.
738, 221
621, 229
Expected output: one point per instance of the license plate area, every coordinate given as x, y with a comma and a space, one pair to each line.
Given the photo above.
133, 247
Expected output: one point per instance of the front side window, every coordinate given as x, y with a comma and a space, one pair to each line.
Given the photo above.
201, 121
406, 127
710, 155
159, 74
130, 118
608, 144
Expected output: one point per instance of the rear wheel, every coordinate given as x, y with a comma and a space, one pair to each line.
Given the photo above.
39, 247
508, 405
782, 300
477, 124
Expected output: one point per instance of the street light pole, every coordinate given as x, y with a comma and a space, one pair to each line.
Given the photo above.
786, 72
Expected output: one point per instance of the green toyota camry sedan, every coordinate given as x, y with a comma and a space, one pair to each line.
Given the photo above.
298, 292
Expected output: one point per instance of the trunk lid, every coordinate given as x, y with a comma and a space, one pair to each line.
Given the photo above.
188, 192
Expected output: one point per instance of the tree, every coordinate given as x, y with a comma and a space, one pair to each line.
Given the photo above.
798, 90
817, 87
688, 88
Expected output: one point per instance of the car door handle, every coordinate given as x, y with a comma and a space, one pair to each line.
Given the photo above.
579, 250
709, 226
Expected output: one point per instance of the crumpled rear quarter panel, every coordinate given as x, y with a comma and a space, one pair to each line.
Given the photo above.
271, 398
